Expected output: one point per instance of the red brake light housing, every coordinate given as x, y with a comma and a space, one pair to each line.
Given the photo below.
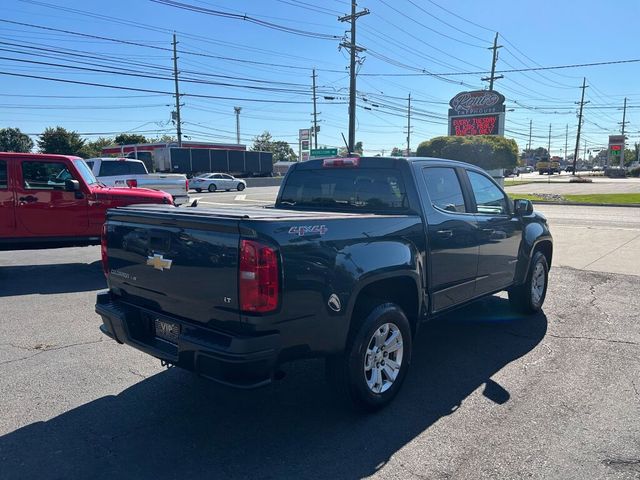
103, 250
351, 162
259, 277
132, 183
186, 184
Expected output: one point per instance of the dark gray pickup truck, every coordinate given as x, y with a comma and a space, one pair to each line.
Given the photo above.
356, 253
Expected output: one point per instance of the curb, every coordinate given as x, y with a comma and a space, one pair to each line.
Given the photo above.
543, 202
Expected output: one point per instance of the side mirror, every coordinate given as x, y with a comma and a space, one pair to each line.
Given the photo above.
71, 185
523, 207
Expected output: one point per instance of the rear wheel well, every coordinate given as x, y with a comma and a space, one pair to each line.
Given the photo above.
546, 248
399, 290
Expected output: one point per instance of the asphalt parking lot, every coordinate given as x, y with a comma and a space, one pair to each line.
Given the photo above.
489, 395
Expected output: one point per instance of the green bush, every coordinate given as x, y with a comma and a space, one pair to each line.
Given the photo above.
634, 172
486, 151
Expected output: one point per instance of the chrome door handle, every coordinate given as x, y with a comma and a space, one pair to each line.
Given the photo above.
445, 233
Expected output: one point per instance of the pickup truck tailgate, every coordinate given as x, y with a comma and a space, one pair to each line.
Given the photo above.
175, 264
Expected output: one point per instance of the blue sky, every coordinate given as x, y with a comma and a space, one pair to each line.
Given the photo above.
401, 36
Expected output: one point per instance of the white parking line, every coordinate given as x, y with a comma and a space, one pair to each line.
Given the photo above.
240, 198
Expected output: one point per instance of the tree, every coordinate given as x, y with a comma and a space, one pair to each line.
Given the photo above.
13, 140
282, 151
630, 156
358, 148
60, 140
94, 148
164, 139
130, 138
486, 151
539, 153
397, 152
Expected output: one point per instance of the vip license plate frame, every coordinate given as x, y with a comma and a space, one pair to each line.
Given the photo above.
166, 330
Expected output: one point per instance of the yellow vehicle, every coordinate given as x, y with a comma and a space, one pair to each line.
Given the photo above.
546, 166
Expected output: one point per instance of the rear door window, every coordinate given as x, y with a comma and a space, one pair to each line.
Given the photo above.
44, 175
443, 187
4, 180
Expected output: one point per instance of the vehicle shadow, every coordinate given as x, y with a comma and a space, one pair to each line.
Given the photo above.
175, 425
50, 279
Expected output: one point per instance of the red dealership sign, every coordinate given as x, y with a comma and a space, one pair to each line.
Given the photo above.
480, 112
480, 125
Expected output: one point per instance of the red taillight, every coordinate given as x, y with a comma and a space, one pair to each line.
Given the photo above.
186, 184
259, 281
132, 183
350, 162
103, 251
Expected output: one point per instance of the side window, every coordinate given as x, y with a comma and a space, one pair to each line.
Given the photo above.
44, 175
444, 189
89, 163
227, 177
489, 198
4, 181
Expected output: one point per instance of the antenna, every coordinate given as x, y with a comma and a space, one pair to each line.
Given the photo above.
345, 142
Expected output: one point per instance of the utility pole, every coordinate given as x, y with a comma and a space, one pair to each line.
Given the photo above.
237, 110
582, 102
530, 128
624, 123
493, 63
409, 127
549, 148
353, 50
315, 113
566, 140
175, 78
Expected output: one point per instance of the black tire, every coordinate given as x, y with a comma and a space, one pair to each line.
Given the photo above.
523, 298
240, 187
198, 190
212, 187
347, 372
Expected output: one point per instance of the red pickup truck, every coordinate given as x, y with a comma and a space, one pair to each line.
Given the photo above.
55, 201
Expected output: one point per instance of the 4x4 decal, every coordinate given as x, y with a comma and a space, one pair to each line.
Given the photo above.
303, 230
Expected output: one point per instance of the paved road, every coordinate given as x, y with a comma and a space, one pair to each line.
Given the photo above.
605, 239
559, 185
489, 395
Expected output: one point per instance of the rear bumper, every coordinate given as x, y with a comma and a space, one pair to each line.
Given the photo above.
238, 361
180, 199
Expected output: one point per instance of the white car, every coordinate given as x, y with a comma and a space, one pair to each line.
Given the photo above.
217, 181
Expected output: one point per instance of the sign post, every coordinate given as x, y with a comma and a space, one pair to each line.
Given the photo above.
304, 134
615, 153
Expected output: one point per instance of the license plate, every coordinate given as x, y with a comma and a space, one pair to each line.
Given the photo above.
167, 330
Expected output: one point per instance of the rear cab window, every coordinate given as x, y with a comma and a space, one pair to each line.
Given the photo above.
345, 189
119, 167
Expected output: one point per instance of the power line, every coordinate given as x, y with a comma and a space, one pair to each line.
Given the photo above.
513, 70
134, 89
155, 47
247, 18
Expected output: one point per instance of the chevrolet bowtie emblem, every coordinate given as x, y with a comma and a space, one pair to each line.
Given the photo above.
159, 262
